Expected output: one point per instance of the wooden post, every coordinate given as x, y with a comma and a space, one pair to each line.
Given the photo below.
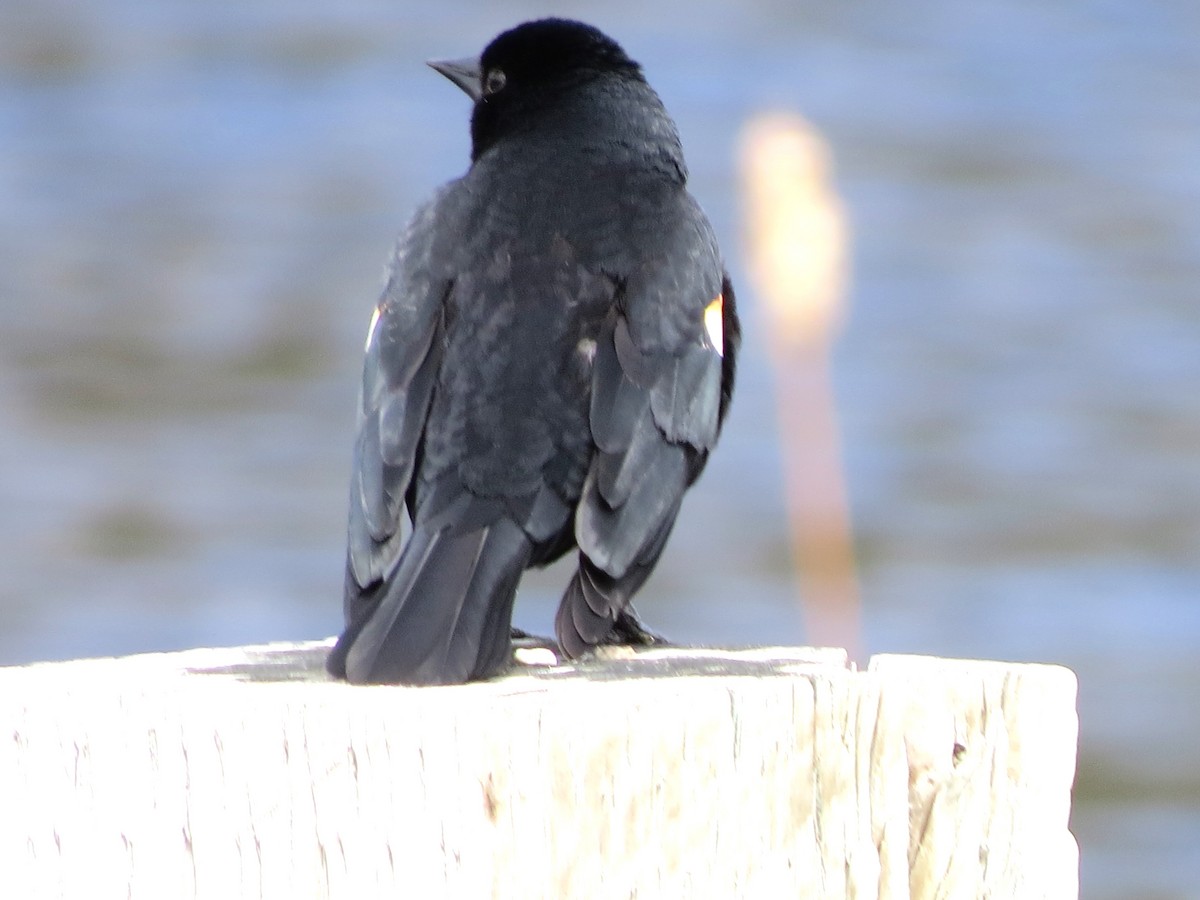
772, 772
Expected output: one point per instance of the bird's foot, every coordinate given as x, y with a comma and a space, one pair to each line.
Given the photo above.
628, 631
628, 634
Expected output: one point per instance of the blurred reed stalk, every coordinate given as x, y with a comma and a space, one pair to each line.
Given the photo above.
797, 238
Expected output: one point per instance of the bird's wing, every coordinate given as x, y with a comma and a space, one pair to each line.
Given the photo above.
400, 367
661, 376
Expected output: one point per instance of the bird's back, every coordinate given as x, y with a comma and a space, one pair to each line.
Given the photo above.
552, 228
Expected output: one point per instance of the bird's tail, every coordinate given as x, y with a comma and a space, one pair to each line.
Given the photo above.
444, 615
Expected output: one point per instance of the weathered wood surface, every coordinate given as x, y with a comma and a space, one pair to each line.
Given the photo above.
775, 772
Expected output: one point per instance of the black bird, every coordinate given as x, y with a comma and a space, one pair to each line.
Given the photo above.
548, 368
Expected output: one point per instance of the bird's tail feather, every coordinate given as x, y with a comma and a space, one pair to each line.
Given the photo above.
444, 615
595, 606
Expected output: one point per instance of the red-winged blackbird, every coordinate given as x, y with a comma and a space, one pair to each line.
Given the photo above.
548, 368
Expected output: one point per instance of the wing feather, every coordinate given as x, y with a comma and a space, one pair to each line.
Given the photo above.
400, 366
661, 376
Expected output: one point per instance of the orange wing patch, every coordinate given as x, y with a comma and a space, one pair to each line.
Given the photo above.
714, 323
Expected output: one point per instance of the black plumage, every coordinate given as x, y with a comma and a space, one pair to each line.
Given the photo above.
548, 368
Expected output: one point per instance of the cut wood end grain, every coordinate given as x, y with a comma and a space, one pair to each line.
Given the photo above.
666, 772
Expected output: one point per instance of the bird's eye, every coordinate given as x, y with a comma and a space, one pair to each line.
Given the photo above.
493, 81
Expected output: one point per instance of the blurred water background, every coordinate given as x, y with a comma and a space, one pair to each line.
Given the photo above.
197, 199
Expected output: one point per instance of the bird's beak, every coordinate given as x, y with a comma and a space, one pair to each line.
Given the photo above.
463, 72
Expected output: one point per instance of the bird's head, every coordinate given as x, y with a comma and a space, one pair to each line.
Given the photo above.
527, 72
